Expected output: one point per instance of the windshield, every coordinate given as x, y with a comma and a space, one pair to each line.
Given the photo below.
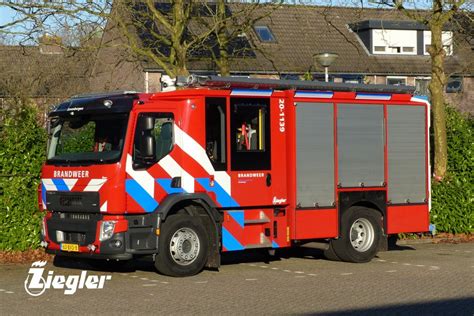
87, 138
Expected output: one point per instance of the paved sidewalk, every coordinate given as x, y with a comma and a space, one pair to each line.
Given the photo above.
412, 280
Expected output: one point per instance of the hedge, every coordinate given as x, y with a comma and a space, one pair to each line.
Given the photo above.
452, 200
22, 151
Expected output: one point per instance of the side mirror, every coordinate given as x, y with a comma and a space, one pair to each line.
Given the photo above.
146, 123
145, 143
147, 146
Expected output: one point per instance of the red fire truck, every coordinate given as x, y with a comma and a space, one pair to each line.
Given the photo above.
228, 164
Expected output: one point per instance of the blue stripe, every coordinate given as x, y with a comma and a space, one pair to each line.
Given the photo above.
275, 245
314, 94
141, 196
43, 192
229, 241
373, 96
224, 199
60, 184
263, 93
166, 185
238, 216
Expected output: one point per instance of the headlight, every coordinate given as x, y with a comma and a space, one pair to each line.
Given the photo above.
106, 230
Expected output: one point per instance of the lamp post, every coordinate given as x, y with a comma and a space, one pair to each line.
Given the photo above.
325, 60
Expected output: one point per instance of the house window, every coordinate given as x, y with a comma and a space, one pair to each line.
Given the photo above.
379, 49
447, 48
422, 86
446, 38
397, 81
395, 50
454, 85
264, 34
394, 41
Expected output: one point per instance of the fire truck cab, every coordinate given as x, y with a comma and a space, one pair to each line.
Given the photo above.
229, 164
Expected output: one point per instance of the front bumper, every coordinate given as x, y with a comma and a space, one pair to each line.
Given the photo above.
133, 235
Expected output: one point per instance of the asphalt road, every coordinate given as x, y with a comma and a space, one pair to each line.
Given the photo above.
412, 280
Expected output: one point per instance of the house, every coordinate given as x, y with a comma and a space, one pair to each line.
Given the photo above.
373, 46
46, 73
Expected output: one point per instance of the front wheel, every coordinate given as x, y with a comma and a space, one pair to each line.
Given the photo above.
361, 230
183, 246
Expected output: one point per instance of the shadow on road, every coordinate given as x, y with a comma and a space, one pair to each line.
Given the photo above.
227, 258
146, 263
462, 306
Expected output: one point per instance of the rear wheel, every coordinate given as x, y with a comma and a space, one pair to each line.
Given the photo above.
183, 246
360, 235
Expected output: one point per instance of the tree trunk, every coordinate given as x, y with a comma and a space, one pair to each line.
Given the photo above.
223, 40
179, 49
437, 86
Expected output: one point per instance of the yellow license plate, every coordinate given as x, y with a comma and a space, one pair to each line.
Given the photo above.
70, 247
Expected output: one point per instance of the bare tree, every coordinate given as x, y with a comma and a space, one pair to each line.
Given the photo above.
169, 34
436, 19
232, 22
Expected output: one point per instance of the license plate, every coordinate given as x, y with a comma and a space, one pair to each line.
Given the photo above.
70, 247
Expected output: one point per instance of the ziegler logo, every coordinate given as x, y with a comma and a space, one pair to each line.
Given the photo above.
36, 284
278, 201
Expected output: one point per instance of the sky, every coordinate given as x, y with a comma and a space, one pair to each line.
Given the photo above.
7, 15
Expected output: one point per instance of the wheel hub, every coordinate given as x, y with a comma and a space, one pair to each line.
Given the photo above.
362, 234
184, 246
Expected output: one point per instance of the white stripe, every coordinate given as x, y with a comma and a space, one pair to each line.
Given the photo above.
49, 185
223, 179
416, 99
70, 183
373, 97
94, 185
259, 93
103, 208
314, 95
144, 179
197, 152
175, 170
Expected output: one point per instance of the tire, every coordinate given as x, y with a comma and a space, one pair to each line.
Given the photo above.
183, 246
330, 254
361, 230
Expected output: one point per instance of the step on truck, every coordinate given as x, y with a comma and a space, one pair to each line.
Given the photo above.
229, 164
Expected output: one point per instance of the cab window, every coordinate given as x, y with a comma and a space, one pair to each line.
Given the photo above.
250, 127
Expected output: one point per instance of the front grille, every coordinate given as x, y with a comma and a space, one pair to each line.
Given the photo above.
78, 228
70, 200
73, 202
75, 237
76, 216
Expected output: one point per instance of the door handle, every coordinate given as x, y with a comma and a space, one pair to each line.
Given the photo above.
269, 179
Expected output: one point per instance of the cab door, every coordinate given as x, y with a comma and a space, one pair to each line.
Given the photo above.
253, 127
147, 184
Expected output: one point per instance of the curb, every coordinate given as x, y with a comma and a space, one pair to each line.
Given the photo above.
432, 241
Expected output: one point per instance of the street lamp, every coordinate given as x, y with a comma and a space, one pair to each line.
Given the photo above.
325, 60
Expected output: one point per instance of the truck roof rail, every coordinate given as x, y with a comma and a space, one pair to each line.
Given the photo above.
282, 84
103, 94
